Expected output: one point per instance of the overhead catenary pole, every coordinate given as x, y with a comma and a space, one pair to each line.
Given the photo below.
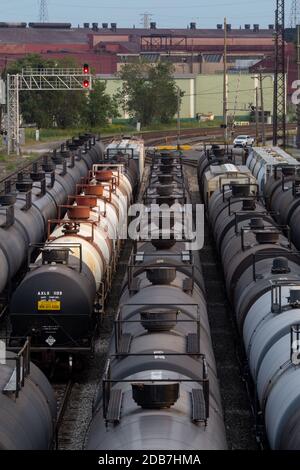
225, 85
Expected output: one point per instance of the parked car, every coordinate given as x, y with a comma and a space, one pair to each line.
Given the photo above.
243, 141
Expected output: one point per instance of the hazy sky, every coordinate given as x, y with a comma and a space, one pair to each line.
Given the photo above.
167, 13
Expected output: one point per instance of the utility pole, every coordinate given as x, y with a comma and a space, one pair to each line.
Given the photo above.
263, 133
279, 109
225, 85
178, 117
256, 110
298, 105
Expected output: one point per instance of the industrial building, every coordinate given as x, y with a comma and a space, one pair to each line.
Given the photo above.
191, 50
203, 94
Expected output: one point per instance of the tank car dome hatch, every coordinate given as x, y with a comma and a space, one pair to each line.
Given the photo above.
164, 243
165, 189
280, 266
159, 319
240, 190
266, 236
155, 396
56, 256
7, 199
257, 223
161, 275
165, 179
248, 205
24, 186
103, 175
294, 298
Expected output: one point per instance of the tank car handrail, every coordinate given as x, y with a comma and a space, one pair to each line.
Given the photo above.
99, 196
75, 223
181, 254
276, 229
119, 150
108, 382
118, 322
161, 266
250, 213
231, 184
276, 297
281, 166
43, 246
21, 370
9, 214
296, 188
261, 254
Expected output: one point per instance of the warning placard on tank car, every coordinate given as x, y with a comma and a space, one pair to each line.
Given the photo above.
49, 305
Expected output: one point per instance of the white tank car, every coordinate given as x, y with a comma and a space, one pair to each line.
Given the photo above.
132, 146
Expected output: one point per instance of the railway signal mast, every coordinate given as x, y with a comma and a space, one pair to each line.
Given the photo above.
68, 79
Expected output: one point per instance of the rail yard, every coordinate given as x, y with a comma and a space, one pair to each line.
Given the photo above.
150, 263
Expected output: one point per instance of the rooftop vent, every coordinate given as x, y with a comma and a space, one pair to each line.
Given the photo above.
192, 25
247, 26
152, 25
12, 25
50, 25
155, 396
219, 26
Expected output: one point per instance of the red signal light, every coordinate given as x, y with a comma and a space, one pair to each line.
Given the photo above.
86, 69
86, 84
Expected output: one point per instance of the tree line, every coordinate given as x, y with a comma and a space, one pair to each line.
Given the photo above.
148, 94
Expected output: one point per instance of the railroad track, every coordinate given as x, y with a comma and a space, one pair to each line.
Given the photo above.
62, 392
159, 137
